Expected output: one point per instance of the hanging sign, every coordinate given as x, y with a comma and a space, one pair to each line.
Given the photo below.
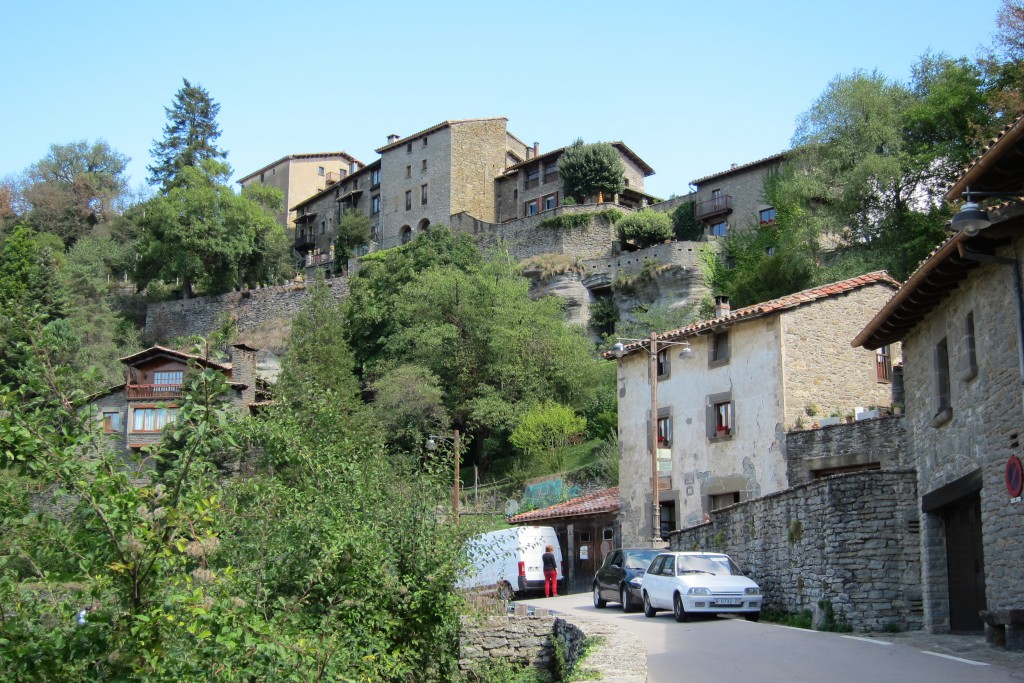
1014, 476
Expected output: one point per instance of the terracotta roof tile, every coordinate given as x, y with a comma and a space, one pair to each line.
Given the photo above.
768, 307
599, 502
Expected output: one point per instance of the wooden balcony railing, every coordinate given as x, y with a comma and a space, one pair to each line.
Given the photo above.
305, 242
713, 207
158, 392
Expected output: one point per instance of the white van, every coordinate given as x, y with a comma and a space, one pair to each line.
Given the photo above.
509, 560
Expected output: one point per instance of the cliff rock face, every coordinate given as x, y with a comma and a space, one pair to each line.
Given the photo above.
569, 287
673, 287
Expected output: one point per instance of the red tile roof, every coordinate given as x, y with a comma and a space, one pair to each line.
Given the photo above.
772, 307
597, 503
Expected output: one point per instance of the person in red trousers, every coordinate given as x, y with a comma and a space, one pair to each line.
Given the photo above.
550, 572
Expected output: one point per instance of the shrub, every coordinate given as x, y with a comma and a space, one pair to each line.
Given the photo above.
685, 224
645, 228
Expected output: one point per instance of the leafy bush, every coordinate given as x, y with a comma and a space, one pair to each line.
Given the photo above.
685, 224
644, 228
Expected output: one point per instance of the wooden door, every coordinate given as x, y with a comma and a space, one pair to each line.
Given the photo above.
965, 564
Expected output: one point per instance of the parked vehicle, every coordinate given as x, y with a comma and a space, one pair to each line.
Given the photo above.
699, 583
621, 577
509, 560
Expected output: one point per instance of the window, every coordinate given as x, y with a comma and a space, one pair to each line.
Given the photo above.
719, 354
262, 177
766, 216
721, 500
319, 170
665, 431
721, 418
720, 229
408, 200
423, 194
375, 205
532, 177
551, 171
550, 201
883, 364
168, 377
375, 177
406, 234
152, 419
533, 207
323, 227
424, 142
769, 251
408, 171
424, 167
584, 537
608, 534
970, 368
663, 364
943, 407
112, 421
408, 148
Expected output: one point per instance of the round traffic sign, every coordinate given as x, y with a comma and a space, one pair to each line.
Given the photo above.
1014, 476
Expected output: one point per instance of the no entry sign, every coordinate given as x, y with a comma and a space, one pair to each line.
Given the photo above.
1014, 476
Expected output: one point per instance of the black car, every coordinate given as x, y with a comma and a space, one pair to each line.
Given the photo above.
620, 578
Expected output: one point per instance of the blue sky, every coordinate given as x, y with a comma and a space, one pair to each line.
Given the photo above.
690, 87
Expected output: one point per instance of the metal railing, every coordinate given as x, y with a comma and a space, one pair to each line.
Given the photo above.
713, 206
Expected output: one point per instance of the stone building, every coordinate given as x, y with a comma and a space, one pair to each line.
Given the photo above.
734, 199
533, 186
959, 319
135, 413
300, 176
317, 218
729, 388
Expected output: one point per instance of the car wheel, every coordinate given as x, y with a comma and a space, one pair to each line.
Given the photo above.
752, 616
599, 602
626, 598
678, 611
649, 610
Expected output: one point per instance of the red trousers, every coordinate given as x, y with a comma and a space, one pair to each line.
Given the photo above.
551, 583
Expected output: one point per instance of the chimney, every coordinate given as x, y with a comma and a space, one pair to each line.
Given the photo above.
393, 138
721, 306
536, 149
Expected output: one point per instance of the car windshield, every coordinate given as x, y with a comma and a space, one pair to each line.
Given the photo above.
706, 564
640, 559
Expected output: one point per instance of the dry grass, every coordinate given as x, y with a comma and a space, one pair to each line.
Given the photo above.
547, 266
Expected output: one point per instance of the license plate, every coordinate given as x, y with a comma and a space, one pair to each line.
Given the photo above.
728, 601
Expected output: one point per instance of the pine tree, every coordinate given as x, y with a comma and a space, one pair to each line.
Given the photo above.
189, 136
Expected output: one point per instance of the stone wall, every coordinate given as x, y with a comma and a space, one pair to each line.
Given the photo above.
524, 238
669, 205
253, 310
850, 539
881, 441
620, 657
746, 188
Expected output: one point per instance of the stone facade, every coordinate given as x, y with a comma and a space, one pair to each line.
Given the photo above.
879, 443
735, 196
524, 238
850, 539
745, 369
976, 436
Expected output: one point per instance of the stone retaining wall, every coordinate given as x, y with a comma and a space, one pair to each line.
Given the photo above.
252, 309
850, 539
523, 238
528, 639
880, 441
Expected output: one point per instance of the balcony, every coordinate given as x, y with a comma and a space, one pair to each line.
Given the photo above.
716, 206
319, 259
331, 178
305, 243
156, 392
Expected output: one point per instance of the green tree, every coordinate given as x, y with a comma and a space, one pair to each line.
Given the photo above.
353, 231
190, 137
545, 429
205, 234
587, 170
408, 406
645, 228
74, 188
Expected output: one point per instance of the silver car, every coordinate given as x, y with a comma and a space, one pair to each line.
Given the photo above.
699, 583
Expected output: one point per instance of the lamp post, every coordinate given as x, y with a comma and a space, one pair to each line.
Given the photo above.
454, 439
619, 350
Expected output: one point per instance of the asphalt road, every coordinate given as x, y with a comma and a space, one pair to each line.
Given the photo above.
732, 649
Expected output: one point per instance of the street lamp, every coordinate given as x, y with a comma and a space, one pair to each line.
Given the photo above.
454, 440
651, 346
